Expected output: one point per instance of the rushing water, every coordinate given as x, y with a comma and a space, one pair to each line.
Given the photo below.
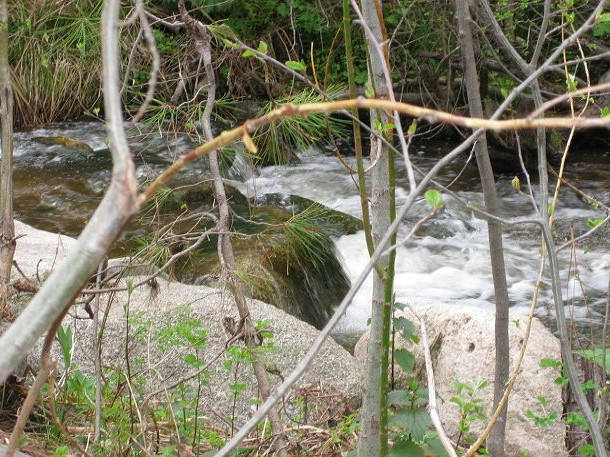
447, 262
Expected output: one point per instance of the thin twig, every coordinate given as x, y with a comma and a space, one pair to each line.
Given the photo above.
156, 60
432, 409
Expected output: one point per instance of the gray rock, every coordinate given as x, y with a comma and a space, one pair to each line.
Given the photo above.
37, 251
154, 312
158, 362
462, 349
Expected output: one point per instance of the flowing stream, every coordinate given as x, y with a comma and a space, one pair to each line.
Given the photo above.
447, 262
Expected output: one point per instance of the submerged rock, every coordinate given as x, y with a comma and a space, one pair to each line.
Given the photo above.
462, 350
65, 141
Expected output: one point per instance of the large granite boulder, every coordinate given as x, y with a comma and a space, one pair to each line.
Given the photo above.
162, 323
462, 349
170, 329
38, 251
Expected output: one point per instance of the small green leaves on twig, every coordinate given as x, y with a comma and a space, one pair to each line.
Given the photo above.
412, 128
592, 223
382, 128
262, 48
296, 65
434, 199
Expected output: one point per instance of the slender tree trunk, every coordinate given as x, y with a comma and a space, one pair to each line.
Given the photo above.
7, 227
496, 438
225, 247
349, 61
374, 415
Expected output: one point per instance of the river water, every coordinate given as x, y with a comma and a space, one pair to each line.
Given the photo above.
446, 263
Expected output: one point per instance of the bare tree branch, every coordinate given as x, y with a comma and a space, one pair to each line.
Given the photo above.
112, 214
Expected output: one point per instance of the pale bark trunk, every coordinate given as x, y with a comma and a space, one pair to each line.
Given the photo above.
373, 416
496, 439
7, 227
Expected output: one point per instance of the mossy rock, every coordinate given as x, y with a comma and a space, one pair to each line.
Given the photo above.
284, 249
289, 261
337, 222
65, 141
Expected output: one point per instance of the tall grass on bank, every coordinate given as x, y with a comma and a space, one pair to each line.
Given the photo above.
55, 57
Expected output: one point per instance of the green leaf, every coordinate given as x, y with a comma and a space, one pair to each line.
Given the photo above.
561, 381
404, 359
592, 223
586, 449
542, 421
577, 419
515, 183
248, 53
405, 327
377, 125
571, 82
415, 422
230, 44
406, 449
550, 363
434, 447
369, 92
596, 355
64, 335
238, 387
399, 398
295, 65
412, 128
603, 25
605, 111
434, 199
262, 47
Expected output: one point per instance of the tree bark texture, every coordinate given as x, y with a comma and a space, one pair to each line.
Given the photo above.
494, 229
373, 416
7, 227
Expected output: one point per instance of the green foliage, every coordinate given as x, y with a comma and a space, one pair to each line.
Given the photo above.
469, 404
64, 336
546, 418
602, 26
409, 422
52, 53
592, 223
597, 356
280, 140
296, 65
434, 199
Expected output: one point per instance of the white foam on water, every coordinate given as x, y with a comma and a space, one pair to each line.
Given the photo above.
451, 267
